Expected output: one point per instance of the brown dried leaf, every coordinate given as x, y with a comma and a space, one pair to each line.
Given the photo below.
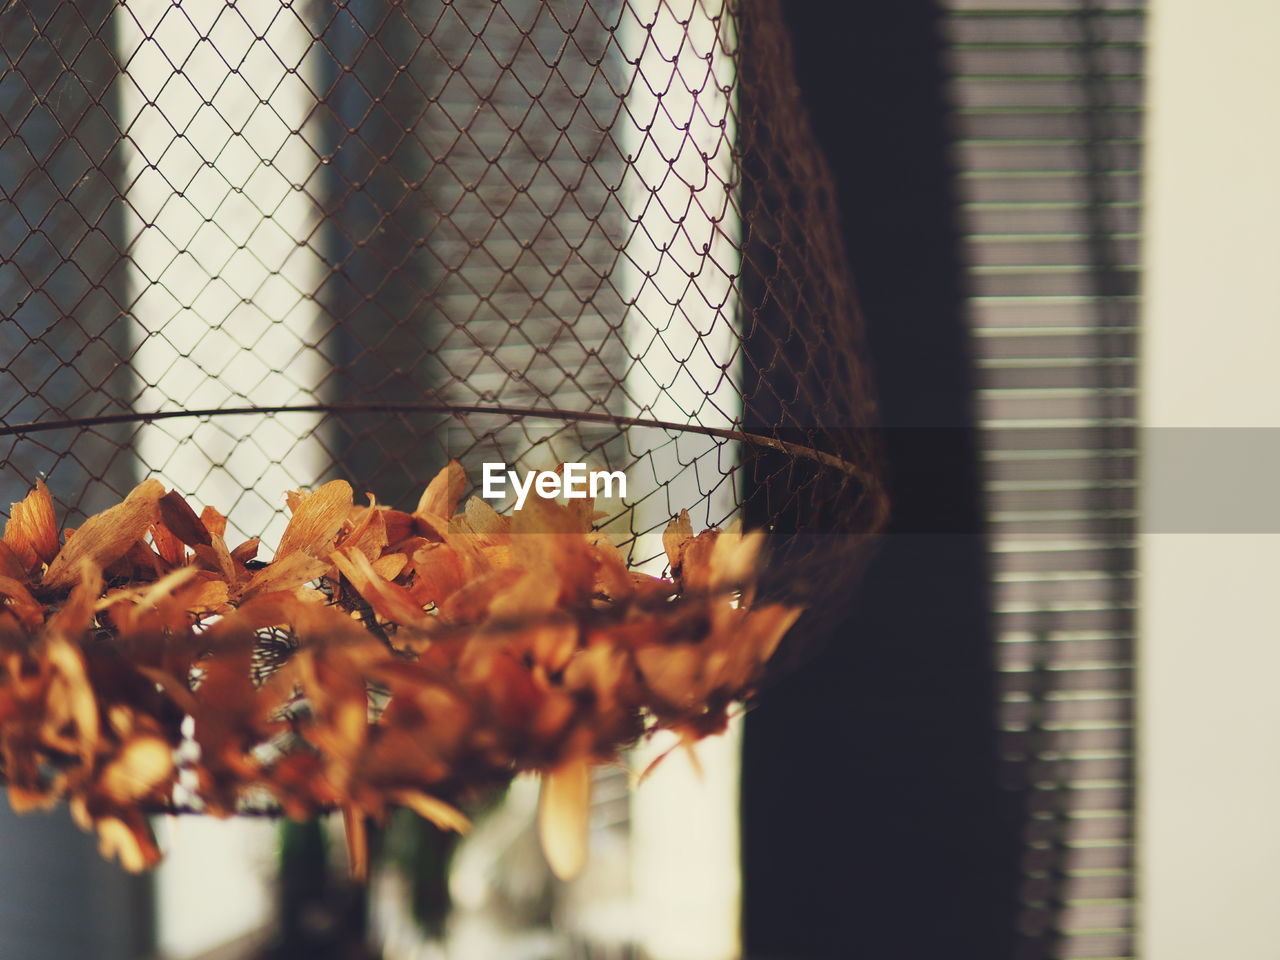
612, 576
600, 669
176, 514
335, 689
530, 596
735, 558
400, 525
673, 673
545, 540
206, 596
470, 603
765, 628
696, 570
71, 696
216, 558
74, 616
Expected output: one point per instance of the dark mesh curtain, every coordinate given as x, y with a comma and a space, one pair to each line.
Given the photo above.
1048, 119
963, 771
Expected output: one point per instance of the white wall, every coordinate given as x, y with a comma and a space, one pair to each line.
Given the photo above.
221, 293
221, 286
1209, 713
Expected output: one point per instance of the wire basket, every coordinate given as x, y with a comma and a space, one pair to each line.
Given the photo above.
249, 248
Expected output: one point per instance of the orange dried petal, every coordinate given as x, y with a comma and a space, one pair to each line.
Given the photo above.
10, 565
369, 533
18, 599
443, 492
284, 574
128, 841
390, 566
678, 532
734, 558
673, 673
107, 536
143, 763
437, 573
317, 518
389, 600
32, 530
470, 603
485, 522
246, 551
169, 548
214, 522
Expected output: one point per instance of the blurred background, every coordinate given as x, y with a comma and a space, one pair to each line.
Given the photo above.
1049, 703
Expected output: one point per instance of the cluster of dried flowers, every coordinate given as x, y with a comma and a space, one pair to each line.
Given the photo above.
381, 658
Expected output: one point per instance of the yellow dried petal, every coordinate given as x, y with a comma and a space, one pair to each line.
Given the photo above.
144, 763
443, 815
131, 844
562, 816
390, 565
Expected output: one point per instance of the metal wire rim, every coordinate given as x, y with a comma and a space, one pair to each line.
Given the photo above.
549, 413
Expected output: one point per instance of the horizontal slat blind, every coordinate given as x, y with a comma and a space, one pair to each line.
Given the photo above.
1047, 98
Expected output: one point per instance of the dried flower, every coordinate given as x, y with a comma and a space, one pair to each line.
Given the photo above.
381, 658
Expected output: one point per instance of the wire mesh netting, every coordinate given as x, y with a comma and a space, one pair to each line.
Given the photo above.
252, 247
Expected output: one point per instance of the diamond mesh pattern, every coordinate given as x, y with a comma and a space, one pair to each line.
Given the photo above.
358, 238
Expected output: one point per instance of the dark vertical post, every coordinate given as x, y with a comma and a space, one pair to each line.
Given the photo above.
64, 323
378, 71
873, 822
64, 352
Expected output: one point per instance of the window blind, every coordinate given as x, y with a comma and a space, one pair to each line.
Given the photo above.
1047, 98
